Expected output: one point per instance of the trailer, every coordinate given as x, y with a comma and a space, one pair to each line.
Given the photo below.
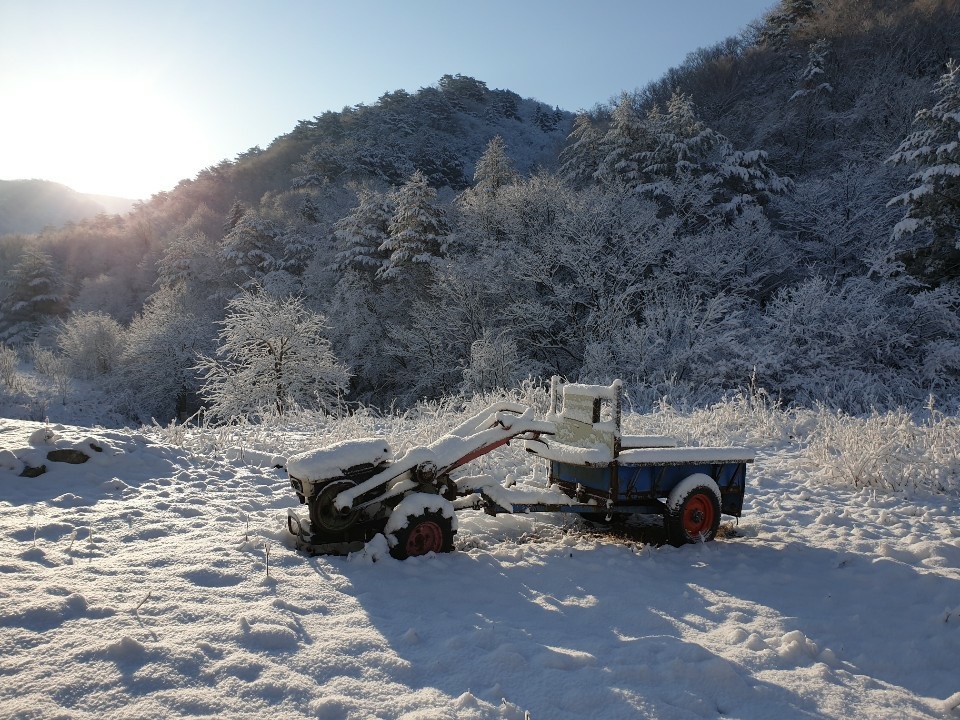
356, 489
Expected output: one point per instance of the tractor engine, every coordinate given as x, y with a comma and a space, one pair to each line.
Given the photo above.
318, 476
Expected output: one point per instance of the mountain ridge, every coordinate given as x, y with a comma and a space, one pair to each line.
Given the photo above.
28, 206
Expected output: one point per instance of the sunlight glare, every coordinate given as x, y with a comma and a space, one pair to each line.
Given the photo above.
106, 134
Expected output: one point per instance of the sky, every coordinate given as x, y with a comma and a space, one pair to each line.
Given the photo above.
129, 97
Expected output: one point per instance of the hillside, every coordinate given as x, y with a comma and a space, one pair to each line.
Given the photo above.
29, 206
729, 224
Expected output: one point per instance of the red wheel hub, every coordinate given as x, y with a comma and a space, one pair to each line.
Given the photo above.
425, 537
697, 516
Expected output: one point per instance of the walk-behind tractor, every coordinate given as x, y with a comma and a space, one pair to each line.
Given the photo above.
358, 488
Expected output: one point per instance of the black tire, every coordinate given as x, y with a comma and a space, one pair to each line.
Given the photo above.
324, 516
430, 532
696, 518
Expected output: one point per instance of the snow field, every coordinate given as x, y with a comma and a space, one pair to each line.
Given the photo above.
154, 581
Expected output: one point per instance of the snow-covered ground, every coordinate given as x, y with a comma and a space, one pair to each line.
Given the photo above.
154, 581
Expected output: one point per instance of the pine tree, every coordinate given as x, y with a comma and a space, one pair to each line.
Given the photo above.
780, 22
813, 78
933, 204
34, 294
682, 144
236, 212
742, 178
417, 230
810, 117
581, 157
622, 146
362, 233
190, 262
251, 249
695, 173
494, 168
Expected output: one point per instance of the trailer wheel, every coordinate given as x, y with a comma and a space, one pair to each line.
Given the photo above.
430, 532
693, 511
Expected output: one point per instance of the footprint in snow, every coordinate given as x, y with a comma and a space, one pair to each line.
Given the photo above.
212, 578
267, 636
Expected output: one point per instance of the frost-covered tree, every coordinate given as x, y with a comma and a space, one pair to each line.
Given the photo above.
362, 233
359, 313
494, 363
813, 78
848, 343
252, 248
676, 169
622, 145
418, 229
690, 339
807, 119
933, 204
695, 173
156, 372
837, 224
431, 344
783, 19
581, 157
494, 168
116, 295
189, 262
480, 204
33, 294
572, 270
273, 356
234, 215
742, 178
326, 161
681, 141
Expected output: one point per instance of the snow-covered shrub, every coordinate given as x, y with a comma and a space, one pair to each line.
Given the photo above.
49, 364
690, 338
91, 343
747, 417
889, 451
156, 374
9, 361
847, 344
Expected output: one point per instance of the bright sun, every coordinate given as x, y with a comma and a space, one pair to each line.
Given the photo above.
109, 136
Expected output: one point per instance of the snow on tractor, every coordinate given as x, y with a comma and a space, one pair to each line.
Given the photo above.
358, 488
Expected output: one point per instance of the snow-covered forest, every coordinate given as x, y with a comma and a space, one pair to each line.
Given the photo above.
781, 211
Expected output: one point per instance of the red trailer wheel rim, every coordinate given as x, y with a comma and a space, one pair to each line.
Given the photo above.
425, 537
697, 515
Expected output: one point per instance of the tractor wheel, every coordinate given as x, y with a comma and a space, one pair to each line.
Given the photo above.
323, 513
693, 511
430, 532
